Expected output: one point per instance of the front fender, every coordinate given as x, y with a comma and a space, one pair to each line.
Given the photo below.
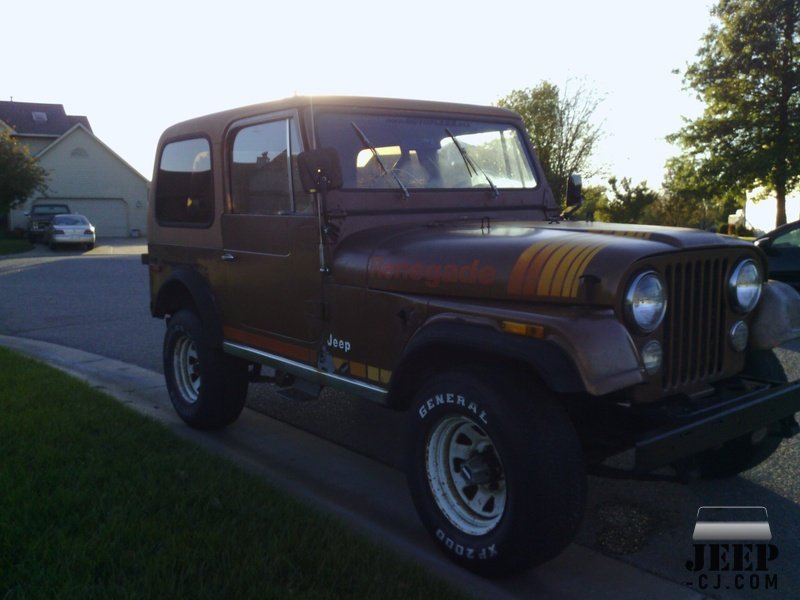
777, 317
602, 348
578, 352
551, 364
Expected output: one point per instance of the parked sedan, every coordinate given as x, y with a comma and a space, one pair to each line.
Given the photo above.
70, 229
782, 247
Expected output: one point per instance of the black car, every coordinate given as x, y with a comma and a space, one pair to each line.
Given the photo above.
782, 247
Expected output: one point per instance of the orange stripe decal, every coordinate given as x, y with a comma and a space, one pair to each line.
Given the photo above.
271, 344
535, 269
568, 266
549, 269
553, 269
578, 273
518, 273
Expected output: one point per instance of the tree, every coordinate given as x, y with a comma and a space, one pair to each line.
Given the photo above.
692, 198
688, 199
594, 198
561, 129
747, 73
20, 173
627, 203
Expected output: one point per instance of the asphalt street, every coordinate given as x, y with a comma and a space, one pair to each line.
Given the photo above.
97, 302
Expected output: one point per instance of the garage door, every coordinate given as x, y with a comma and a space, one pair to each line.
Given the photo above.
108, 215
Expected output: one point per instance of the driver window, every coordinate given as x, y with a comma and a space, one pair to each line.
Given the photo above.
261, 172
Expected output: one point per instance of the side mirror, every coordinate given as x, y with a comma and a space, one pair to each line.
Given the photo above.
320, 169
574, 191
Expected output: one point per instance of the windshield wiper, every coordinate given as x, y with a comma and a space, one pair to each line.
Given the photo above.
471, 166
367, 144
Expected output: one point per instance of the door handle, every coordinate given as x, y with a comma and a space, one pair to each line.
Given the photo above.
227, 256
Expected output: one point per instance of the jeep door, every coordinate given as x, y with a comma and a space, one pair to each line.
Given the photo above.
270, 234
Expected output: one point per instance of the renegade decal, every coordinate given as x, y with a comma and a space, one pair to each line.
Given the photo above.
553, 269
433, 274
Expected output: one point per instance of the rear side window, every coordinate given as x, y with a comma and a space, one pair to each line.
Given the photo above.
185, 193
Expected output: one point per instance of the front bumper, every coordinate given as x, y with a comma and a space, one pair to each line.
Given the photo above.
83, 238
37, 230
734, 411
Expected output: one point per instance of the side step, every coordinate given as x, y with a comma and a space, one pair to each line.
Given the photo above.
288, 386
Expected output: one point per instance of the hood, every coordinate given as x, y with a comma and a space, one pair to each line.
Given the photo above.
509, 260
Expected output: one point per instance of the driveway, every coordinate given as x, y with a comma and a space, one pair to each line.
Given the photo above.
97, 302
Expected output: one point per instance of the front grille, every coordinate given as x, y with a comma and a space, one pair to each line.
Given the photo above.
694, 326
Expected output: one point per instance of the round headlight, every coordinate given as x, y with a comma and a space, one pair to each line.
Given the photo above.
646, 301
744, 286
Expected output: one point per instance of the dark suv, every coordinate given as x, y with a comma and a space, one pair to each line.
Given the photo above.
412, 253
40, 216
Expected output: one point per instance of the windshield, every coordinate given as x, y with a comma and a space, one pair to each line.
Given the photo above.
70, 220
426, 153
49, 209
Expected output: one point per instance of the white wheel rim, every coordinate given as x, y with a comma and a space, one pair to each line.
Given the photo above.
457, 447
186, 365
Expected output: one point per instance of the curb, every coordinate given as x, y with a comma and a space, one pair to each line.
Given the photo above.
368, 495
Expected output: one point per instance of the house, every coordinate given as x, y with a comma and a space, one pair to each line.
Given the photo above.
83, 172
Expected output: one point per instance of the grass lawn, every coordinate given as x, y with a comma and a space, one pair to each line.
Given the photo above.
13, 245
97, 501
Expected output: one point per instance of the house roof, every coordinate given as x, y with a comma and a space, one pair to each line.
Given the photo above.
81, 127
33, 118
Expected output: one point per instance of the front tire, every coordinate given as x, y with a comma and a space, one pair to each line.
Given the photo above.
207, 387
495, 470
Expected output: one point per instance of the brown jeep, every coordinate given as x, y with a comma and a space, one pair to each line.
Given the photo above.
413, 254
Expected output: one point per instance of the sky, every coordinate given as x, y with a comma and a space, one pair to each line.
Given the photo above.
135, 68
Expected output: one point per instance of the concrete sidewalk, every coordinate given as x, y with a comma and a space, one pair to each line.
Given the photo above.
368, 495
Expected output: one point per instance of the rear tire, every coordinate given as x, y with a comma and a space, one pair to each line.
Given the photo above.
495, 470
207, 387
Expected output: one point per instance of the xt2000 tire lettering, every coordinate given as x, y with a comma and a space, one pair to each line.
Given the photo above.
465, 551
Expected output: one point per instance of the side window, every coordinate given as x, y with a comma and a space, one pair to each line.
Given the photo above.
790, 239
185, 193
303, 202
264, 178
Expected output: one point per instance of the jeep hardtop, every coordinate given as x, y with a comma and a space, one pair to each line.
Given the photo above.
412, 253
